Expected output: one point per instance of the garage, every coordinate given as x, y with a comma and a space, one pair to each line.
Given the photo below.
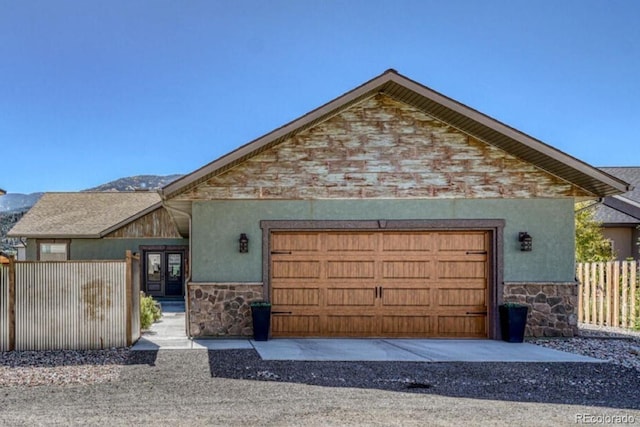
379, 283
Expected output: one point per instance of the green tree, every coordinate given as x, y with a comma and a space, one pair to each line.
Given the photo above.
591, 245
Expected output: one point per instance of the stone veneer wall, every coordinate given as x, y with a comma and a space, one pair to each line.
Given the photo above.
552, 307
222, 309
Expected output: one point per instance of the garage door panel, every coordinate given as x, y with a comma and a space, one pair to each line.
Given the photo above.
461, 297
351, 242
297, 296
351, 297
382, 283
407, 242
351, 325
350, 269
299, 325
461, 326
410, 296
406, 269
296, 269
407, 325
462, 242
461, 269
296, 242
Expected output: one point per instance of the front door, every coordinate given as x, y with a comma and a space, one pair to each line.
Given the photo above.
174, 276
154, 273
164, 271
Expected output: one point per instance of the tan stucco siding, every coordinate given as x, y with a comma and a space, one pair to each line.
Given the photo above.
382, 149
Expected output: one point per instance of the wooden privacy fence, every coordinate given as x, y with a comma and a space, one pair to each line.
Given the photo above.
72, 305
608, 293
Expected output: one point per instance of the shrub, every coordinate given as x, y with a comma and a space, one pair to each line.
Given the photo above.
150, 311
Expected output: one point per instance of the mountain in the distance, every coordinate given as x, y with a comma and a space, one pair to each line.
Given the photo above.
17, 201
131, 183
14, 205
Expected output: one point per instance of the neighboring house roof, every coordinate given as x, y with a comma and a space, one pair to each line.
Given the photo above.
623, 209
440, 107
84, 215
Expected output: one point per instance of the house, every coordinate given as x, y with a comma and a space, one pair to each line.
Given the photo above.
102, 226
391, 211
2, 192
620, 215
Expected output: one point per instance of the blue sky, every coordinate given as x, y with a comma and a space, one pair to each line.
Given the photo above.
91, 91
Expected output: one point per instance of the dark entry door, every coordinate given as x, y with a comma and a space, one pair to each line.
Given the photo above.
164, 270
154, 274
174, 273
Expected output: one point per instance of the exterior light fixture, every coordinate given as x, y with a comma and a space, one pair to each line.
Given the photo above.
243, 243
526, 241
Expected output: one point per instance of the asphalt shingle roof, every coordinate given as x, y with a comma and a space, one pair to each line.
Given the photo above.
609, 215
87, 214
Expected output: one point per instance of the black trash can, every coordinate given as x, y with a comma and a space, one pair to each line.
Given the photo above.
513, 320
261, 315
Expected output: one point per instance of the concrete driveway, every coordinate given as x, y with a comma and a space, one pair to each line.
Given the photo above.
169, 334
410, 350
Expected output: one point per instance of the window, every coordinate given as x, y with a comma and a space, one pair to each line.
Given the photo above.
53, 251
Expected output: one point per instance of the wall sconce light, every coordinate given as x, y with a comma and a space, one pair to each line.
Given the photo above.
243, 243
526, 241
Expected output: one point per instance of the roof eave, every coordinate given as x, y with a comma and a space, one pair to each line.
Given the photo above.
53, 236
391, 83
319, 114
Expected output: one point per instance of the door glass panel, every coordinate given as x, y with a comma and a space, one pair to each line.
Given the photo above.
154, 266
174, 265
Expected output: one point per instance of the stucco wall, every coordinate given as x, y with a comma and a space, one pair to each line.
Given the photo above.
624, 241
217, 226
85, 249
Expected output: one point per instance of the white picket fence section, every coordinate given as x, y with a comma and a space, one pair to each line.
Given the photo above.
70, 305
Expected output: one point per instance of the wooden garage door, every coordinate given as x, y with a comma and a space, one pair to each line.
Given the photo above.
379, 284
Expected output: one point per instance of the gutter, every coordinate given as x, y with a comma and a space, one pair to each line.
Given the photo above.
188, 278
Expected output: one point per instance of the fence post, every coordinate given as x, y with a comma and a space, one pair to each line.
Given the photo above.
129, 297
609, 294
12, 304
616, 292
632, 294
601, 293
625, 298
580, 293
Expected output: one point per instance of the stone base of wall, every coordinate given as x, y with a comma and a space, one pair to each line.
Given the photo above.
553, 307
222, 309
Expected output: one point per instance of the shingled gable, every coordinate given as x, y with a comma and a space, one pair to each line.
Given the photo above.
85, 215
480, 127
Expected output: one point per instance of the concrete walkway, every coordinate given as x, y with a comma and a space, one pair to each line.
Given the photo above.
169, 334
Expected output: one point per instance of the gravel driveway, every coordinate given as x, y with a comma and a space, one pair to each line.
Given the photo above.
235, 387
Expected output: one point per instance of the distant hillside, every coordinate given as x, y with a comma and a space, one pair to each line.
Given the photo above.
14, 205
17, 201
130, 183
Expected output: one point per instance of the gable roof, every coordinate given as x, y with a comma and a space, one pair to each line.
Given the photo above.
447, 110
623, 209
84, 215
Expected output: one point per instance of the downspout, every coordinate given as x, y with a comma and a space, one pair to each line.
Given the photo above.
188, 278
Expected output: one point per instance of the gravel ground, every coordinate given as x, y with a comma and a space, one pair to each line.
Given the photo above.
31, 368
236, 387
